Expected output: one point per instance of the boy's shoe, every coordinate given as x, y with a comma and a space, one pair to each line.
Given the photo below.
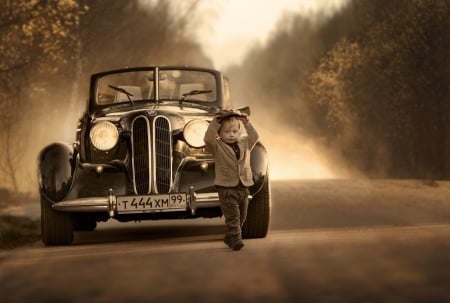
227, 241
234, 245
237, 245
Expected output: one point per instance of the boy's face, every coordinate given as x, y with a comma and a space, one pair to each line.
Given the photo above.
229, 131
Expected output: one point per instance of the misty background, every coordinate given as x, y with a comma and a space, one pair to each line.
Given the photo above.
363, 92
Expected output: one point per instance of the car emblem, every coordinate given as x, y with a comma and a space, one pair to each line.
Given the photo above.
151, 113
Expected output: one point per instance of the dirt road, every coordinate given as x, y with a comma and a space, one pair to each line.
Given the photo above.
330, 241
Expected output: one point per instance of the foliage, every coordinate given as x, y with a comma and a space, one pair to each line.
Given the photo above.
397, 85
49, 48
33, 30
372, 80
127, 33
32, 34
18, 231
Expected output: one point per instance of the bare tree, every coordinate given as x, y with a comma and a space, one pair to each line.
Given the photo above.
10, 141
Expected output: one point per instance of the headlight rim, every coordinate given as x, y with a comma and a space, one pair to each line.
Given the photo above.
199, 136
94, 132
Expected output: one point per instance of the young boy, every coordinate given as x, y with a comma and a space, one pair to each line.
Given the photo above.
232, 169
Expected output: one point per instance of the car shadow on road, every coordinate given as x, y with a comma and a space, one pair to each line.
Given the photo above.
150, 231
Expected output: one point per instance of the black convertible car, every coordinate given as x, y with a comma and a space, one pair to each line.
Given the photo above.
139, 155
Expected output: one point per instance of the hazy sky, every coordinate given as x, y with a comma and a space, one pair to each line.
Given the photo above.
229, 28
234, 26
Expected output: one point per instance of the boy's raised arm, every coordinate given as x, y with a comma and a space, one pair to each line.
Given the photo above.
211, 132
251, 131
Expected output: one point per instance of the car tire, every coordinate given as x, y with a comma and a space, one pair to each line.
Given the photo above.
56, 227
258, 214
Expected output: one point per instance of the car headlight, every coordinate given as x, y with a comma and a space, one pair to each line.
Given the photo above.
194, 132
104, 135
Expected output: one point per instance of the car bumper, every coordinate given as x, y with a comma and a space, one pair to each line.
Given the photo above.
108, 204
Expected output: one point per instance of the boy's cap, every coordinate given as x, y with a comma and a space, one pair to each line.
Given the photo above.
228, 112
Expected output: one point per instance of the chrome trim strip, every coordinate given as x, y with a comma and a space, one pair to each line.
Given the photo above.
94, 204
132, 153
156, 84
154, 147
206, 197
205, 200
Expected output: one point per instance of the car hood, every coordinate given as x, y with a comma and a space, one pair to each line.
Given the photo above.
187, 108
176, 114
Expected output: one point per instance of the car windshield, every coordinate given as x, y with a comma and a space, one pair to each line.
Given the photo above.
174, 84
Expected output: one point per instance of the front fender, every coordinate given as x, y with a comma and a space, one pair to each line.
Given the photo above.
55, 170
260, 166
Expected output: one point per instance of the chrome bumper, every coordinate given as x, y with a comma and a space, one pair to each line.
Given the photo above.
108, 204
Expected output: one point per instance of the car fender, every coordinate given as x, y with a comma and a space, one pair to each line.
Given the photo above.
259, 163
55, 170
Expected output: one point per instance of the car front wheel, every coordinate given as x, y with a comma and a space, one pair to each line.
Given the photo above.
258, 214
56, 227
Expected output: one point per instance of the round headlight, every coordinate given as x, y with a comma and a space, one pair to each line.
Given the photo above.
194, 132
104, 135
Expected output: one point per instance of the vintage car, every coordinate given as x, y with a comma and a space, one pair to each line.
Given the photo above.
139, 155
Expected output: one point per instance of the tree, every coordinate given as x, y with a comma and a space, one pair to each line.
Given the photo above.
118, 34
397, 86
32, 34
372, 81
49, 48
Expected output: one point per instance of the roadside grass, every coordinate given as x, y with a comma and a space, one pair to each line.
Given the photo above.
16, 231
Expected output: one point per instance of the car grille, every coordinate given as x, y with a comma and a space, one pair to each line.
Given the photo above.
151, 155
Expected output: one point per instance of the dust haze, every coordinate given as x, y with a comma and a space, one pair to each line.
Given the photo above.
345, 88
295, 110
293, 155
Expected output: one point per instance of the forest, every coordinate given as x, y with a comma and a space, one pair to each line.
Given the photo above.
370, 82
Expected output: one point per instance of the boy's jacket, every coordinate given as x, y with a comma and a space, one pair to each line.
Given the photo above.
229, 170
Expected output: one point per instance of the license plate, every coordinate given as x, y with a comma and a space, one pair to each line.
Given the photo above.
151, 203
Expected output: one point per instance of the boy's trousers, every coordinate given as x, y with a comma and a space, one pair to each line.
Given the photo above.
234, 204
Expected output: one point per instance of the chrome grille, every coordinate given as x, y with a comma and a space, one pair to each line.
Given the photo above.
162, 147
151, 155
141, 155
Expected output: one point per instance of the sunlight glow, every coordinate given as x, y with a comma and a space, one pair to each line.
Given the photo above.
296, 164
240, 25
293, 156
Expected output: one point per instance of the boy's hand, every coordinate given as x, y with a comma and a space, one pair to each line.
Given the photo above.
226, 113
243, 117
